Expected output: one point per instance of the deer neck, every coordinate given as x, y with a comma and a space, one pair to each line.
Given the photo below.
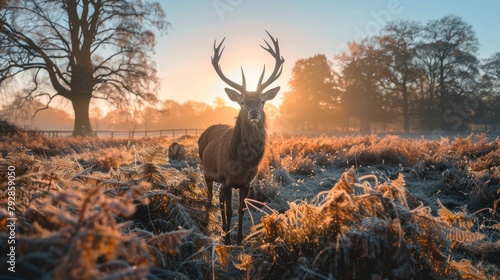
249, 142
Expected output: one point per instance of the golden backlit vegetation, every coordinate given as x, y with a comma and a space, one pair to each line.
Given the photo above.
356, 207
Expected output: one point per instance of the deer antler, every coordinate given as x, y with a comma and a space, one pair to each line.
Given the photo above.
215, 62
278, 67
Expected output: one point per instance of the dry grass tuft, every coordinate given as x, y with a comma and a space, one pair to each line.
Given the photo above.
360, 231
407, 209
130, 223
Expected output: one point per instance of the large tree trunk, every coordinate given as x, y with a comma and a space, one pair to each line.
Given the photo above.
82, 121
442, 95
406, 113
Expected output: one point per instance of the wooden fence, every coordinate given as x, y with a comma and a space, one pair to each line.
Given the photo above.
124, 134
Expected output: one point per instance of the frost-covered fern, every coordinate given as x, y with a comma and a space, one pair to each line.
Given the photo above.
359, 231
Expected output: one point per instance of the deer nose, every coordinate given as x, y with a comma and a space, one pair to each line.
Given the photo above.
254, 116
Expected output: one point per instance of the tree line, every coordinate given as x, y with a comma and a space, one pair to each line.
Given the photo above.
411, 77
168, 114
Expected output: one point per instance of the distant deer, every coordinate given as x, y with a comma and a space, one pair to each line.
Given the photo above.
231, 155
176, 151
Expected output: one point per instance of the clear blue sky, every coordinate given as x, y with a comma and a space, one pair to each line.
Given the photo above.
304, 28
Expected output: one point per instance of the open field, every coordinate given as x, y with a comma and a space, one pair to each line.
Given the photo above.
354, 207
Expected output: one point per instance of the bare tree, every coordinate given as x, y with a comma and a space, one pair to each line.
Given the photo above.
448, 59
3, 3
79, 50
399, 43
312, 98
490, 90
364, 67
492, 66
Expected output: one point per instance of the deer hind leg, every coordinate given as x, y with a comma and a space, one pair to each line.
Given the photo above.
241, 205
226, 209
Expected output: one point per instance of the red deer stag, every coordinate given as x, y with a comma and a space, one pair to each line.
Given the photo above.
231, 155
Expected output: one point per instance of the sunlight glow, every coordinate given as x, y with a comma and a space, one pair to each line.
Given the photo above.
252, 76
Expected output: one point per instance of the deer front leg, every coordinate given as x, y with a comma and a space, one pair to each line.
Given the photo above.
208, 203
226, 209
241, 205
210, 189
222, 198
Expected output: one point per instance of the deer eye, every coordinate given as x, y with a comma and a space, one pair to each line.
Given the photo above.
242, 102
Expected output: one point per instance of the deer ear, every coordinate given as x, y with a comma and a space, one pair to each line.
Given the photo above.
270, 94
233, 95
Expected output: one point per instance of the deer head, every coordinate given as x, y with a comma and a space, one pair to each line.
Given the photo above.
251, 102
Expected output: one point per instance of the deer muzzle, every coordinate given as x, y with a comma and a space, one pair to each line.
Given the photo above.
254, 116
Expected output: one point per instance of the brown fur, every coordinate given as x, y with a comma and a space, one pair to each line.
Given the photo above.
176, 151
230, 156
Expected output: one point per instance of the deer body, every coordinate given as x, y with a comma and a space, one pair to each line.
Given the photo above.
231, 155
224, 161
222, 144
